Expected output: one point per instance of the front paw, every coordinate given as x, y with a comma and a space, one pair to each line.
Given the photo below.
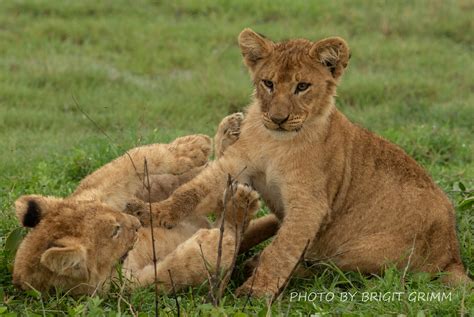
228, 132
241, 203
190, 151
244, 198
230, 126
165, 218
139, 209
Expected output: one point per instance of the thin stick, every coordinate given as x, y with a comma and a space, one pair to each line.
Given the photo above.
254, 274
409, 261
148, 188
174, 294
121, 298
210, 295
238, 240
216, 281
240, 173
285, 283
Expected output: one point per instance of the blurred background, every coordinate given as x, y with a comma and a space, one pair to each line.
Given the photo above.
159, 69
149, 71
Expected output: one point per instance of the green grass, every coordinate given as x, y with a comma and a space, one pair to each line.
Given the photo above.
151, 71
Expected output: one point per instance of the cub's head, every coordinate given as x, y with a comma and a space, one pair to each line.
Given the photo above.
294, 80
71, 245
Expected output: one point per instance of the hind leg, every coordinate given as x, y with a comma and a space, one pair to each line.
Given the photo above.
196, 258
373, 253
191, 263
259, 230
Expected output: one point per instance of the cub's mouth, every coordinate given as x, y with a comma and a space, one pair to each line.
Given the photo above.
124, 257
291, 124
282, 128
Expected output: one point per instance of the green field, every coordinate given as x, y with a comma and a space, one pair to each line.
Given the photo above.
149, 71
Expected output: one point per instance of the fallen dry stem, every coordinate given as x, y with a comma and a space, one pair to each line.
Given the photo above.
178, 309
285, 283
148, 188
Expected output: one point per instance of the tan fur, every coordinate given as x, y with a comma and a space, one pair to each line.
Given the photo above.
190, 262
259, 230
228, 132
193, 260
360, 200
169, 165
76, 242
71, 244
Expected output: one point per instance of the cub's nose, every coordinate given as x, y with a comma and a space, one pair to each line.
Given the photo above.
279, 119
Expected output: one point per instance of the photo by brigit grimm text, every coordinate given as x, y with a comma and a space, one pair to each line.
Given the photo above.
315, 296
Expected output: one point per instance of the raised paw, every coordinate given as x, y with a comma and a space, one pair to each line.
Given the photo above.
229, 127
190, 151
228, 132
243, 196
241, 203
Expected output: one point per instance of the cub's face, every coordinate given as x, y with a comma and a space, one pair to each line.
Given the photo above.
294, 80
71, 245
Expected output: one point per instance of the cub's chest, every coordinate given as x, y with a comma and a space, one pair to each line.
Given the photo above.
269, 189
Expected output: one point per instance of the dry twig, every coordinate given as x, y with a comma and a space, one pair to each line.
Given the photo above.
408, 262
285, 283
148, 188
239, 233
210, 295
216, 278
247, 300
178, 309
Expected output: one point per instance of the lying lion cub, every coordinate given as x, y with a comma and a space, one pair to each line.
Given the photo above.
75, 242
357, 199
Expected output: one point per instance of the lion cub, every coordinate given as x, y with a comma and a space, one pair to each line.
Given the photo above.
75, 242
357, 199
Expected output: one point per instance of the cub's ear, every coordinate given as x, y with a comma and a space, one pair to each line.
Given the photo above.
68, 258
254, 47
30, 209
333, 53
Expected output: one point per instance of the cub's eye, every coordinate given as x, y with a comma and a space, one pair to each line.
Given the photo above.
116, 231
301, 87
268, 83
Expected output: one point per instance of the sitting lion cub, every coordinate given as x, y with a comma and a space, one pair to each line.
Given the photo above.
75, 242
341, 192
